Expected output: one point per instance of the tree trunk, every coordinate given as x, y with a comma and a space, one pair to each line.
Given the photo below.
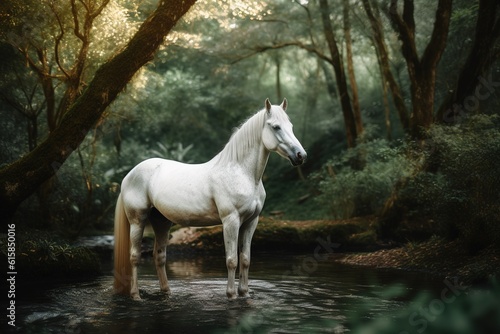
21, 178
387, 109
422, 95
480, 58
330, 82
345, 100
421, 70
385, 67
279, 94
350, 69
385, 98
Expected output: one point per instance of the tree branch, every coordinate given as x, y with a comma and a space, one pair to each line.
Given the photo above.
58, 41
309, 19
76, 29
408, 16
437, 44
405, 34
98, 11
262, 48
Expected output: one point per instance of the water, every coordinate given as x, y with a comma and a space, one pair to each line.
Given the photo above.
320, 299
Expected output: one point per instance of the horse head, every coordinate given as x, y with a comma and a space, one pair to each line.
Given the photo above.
278, 135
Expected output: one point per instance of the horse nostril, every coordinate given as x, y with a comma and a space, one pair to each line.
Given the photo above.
301, 156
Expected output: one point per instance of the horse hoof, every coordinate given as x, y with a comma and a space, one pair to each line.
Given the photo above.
243, 293
137, 298
231, 296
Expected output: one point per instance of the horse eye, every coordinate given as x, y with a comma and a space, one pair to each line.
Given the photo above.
276, 127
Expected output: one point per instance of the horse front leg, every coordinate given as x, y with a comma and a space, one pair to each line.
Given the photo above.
230, 227
245, 240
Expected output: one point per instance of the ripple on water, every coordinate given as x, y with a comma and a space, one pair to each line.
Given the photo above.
200, 305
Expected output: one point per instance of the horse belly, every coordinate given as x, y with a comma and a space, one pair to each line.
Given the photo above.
185, 200
191, 215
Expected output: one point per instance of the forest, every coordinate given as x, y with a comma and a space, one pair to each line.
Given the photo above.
396, 103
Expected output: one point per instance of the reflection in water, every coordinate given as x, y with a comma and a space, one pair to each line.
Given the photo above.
280, 301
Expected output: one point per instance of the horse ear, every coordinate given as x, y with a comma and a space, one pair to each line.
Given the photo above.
268, 106
284, 104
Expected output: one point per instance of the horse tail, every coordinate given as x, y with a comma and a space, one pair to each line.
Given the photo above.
123, 269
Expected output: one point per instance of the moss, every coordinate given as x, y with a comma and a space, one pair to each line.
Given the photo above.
364, 239
210, 239
41, 255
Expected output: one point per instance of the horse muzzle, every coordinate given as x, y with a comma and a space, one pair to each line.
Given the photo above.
298, 158
295, 154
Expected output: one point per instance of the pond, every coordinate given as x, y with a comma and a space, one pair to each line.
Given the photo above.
289, 294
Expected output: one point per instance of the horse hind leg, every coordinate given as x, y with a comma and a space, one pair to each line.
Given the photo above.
137, 224
161, 227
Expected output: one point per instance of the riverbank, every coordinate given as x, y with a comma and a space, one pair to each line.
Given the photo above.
445, 259
45, 255
355, 243
357, 234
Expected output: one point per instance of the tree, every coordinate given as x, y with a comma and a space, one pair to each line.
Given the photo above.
22, 177
481, 56
55, 48
421, 69
350, 67
336, 61
333, 56
385, 67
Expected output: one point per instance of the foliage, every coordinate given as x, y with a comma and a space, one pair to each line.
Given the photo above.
92, 203
468, 158
215, 70
446, 185
349, 190
465, 312
460, 190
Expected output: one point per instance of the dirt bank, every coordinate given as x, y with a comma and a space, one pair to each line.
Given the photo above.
446, 259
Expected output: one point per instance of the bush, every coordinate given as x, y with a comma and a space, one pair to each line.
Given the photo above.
359, 181
448, 185
466, 311
469, 159
460, 188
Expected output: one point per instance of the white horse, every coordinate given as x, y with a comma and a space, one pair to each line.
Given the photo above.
227, 189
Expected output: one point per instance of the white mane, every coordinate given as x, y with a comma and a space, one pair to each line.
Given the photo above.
243, 138
248, 134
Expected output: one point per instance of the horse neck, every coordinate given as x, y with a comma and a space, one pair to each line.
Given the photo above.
256, 162
246, 149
